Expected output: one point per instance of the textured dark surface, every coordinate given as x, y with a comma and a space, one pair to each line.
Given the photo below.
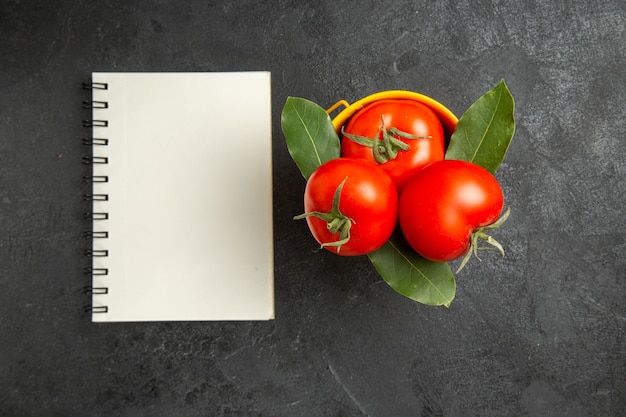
540, 333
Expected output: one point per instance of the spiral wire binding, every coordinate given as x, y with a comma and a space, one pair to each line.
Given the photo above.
95, 216
96, 309
93, 104
95, 123
96, 253
96, 271
96, 197
95, 178
91, 160
95, 141
95, 86
95, 290
90, 234
91, 179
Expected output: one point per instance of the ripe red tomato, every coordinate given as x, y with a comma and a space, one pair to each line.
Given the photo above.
443, 204
412, 118
351, 206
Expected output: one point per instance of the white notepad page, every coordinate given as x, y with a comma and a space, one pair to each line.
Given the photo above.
189, 197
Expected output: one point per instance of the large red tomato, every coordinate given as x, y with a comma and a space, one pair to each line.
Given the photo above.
351, 206
409, 136
444, 204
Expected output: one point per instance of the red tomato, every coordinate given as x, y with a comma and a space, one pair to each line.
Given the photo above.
351, 206
443, 204
407, 116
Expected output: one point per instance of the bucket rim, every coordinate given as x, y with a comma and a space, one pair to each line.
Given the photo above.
448, 119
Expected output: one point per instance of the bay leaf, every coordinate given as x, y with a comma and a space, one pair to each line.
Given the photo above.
309, 133
484, 132
424, 281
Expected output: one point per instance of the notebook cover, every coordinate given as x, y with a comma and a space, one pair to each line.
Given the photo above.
189, 197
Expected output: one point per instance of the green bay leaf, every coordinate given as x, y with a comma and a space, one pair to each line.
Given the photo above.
424, 281
309, 133
484, 132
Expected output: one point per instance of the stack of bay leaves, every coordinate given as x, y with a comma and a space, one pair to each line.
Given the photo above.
482, 136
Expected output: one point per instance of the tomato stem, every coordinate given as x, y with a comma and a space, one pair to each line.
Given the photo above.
387, 147
336, 221
480, 234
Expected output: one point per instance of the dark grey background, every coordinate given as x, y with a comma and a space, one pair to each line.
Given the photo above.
540, 333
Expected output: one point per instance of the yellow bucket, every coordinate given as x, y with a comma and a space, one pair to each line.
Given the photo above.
447, 118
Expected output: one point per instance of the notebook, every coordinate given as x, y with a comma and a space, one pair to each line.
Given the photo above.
181, 199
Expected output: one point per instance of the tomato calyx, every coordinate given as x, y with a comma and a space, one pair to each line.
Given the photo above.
479, 234
336, 221
387, 148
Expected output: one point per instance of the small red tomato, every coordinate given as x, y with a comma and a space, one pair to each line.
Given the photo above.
444, 206
351, 206
401, 135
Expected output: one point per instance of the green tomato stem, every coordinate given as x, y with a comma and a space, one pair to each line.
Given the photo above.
336, 221
480, 234
388, 147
